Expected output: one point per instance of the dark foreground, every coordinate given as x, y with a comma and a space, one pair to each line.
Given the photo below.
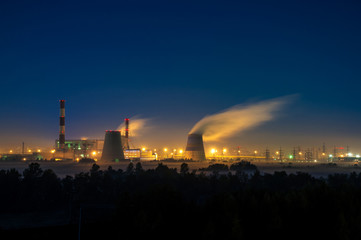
164, 203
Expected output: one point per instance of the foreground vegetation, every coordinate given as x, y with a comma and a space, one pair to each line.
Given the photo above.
166, 203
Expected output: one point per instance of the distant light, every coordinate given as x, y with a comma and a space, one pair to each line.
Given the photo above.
29, 151
52, 151
255, 152
323, 154
350, 154
277, 152
11, 151
330, 155
315, 160
357, 156
224, 150
300, 153
165, 149
143, 149
24, 159
342, 155
291, 156
94, 153
180, 151
213, 151
39, 150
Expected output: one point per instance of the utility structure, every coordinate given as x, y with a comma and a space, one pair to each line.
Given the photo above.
281, 154
62, 126
195, 148
308, 155
294, 153
334, 153
268, 155
113, 148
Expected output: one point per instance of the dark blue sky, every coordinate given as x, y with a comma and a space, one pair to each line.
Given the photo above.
177, 61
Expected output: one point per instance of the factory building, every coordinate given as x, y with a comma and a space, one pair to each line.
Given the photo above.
132, 154
15, 157
80, 148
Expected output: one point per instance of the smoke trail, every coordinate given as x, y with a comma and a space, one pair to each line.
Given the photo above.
238, 118
136, 125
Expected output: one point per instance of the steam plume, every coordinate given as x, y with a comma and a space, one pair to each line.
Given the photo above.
136, 125
238, 118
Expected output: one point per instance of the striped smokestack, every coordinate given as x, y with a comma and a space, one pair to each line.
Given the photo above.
126, 133
62, 125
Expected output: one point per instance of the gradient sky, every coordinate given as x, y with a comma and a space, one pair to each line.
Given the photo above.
174, 62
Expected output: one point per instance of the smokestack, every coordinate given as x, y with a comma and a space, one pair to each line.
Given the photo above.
126, 133
112, 149
195, 148
62, 125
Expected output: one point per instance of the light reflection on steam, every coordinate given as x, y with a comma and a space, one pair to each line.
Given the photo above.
239, 118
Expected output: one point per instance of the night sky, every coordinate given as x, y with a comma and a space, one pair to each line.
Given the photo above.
174, 62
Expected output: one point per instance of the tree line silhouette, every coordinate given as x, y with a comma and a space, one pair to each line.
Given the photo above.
167, 203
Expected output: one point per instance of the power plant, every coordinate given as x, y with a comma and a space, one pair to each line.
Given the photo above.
113, 147
195, 148
76, 149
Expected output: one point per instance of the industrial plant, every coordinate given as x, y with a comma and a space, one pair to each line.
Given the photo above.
116, 147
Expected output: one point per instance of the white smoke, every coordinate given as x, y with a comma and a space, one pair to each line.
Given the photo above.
136, 126
239, 118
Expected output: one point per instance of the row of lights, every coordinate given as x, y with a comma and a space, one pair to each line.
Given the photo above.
213, 151
165, 150
29, 151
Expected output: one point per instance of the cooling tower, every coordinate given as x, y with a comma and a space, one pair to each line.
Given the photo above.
112, 149
195, 148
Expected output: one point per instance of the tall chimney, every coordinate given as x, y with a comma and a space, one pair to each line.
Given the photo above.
112, 149
126, 133
62, 125
195, 148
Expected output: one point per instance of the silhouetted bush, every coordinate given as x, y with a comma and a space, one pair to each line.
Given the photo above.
215, 167
87, 160
243, 166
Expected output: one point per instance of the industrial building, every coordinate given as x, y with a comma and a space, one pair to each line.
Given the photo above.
114, 147
17, 157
